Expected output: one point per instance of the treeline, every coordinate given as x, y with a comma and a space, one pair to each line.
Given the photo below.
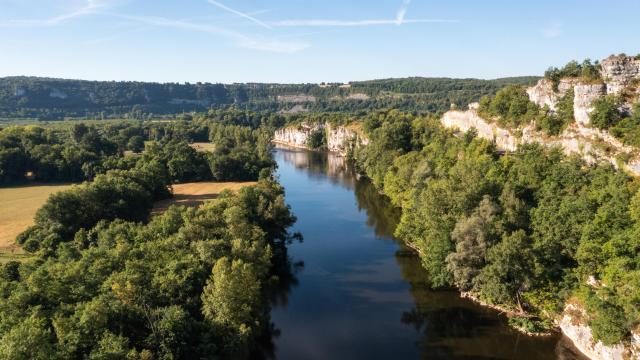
56, 99
529, 231
76, 152
190, 284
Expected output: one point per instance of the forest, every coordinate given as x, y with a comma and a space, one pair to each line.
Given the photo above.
58, 99
529, 231
108, 281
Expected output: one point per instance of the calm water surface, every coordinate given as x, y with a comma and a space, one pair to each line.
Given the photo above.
360, 294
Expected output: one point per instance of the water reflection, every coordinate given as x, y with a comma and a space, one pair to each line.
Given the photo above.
363, 294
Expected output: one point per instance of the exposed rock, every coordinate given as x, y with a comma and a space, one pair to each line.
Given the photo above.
573, 326
591, 144
296, 136
543, 94
584, 96
299, 98
55, 93
466, 120
618, 71
339, 138
358, 96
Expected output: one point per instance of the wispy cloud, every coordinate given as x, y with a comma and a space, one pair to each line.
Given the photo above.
239, 13
552, 30
399, 19
402, 11
242, 40
90, 7
354, 23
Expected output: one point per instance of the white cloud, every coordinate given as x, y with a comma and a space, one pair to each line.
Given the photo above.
238, 13
552, 30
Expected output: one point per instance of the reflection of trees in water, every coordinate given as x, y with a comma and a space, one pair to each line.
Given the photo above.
452, 327
381, 215
283, 281
320, 165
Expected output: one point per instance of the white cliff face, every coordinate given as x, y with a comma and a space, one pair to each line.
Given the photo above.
340, 139
576, 139
584, 96
572, 325
619, 71
296, 136
466, 120
542, 94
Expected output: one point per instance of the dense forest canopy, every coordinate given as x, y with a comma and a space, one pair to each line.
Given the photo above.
106, 280
529, 231
55, 99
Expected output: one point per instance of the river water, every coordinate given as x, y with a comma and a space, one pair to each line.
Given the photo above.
361, 294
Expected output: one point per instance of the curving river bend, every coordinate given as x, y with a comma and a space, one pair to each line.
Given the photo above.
360, 294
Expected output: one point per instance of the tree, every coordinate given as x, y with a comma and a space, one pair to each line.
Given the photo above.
605, 112
508, 273
136, 143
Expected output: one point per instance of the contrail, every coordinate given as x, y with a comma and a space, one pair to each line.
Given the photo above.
241, 14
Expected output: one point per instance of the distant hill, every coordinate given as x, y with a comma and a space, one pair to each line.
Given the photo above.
53, 99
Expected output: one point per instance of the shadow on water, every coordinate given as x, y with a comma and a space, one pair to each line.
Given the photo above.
433, 324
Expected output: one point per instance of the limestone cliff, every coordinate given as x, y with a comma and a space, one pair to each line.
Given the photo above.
591, 144
573, 325
617, 72
340, 139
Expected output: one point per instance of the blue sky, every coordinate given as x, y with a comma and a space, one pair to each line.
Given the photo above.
307, 40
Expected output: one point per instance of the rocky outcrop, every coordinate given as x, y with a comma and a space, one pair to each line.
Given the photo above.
340, 139
584, 96
298, 98
573, 325
591, 144
296, 136
619, 71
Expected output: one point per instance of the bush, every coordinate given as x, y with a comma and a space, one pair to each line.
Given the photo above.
606, 113
511, 106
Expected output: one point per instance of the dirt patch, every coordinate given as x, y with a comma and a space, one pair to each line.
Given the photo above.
18, 206
195, 194
203, 146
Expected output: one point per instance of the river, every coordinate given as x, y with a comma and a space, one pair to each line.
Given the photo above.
361, 294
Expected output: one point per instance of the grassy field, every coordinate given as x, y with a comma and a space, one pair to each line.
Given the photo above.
18, 205
194, 194
203, 146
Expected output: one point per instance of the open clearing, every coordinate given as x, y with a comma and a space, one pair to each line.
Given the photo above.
203, 146
18, 205
194, 194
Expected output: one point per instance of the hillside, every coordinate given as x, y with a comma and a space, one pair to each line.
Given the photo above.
54, 99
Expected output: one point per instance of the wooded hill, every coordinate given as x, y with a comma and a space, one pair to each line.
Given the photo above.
55, 99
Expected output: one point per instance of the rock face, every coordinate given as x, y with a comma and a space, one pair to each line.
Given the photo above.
618, 72
584, 96
572, 325
296, 136
591, 144
340, 139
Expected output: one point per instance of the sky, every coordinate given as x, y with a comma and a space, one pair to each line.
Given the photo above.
300, 41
